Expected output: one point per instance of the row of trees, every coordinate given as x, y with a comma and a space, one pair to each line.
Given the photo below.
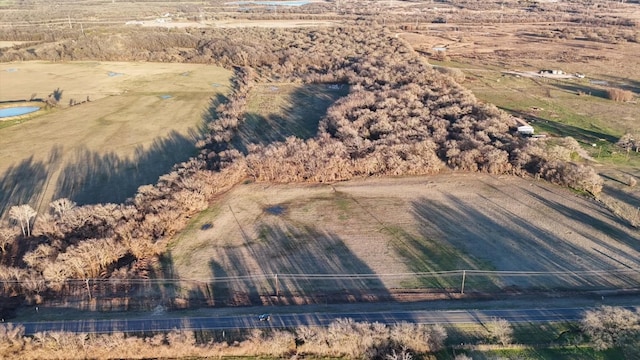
344, 338
603, 328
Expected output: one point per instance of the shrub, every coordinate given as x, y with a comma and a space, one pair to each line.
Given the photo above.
11, 338
455, 74
575, 176
609, 327
500, 331
619, 94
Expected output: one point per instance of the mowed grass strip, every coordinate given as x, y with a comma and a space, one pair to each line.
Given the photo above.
142, 118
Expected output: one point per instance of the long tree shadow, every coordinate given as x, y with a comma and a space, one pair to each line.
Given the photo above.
560, 129
90, 177
582, 89
306, 106
292, 265
611, 228
23, 183
625, 83
484, 230
630, 197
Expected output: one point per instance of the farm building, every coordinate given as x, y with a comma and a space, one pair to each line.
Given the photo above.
525, 130
551, 72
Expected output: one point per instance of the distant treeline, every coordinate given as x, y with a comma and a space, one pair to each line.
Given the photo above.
400, 117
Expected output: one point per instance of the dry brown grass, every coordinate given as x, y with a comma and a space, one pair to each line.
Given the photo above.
105, 147
384, 226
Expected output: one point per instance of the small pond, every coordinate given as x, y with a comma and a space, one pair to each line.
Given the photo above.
17, 111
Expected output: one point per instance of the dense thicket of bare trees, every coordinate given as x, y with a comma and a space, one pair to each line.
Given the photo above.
400, 117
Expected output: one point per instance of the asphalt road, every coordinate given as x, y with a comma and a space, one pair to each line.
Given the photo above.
162, 323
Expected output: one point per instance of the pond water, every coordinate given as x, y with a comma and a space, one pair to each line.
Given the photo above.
17, 111
271, 3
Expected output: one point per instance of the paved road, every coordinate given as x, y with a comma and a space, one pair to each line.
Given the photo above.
163, 323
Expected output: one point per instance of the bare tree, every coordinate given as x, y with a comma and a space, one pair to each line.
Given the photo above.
23, 214
610, 327
500, 331
7, 236
60, 206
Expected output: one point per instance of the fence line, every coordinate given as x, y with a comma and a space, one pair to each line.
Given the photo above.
345, 276
282, 288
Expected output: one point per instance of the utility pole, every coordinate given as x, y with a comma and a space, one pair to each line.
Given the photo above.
464, 276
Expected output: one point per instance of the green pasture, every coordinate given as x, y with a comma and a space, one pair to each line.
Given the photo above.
533, 341
559, 107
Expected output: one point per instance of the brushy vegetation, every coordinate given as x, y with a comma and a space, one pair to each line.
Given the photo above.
619, 94
343, 338
603, 333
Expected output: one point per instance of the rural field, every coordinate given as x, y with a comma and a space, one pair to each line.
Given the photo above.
229, 157
500, 64
402, 226
495, 59
142, 118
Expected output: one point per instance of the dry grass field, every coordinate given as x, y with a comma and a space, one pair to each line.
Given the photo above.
121, 125
142, 118
276, 111
403, 225
575, 107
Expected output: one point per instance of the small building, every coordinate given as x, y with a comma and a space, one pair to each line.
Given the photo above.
525, 130
551, 72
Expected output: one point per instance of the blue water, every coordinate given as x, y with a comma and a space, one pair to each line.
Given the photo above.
165, 97
271, 3
18, 110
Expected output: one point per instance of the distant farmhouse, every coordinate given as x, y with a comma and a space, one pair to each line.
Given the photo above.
551, 72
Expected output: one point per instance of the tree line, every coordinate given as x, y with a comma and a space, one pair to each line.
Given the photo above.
602, 328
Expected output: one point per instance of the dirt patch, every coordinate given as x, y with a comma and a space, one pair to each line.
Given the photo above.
271, 23
386, 227
8, 44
